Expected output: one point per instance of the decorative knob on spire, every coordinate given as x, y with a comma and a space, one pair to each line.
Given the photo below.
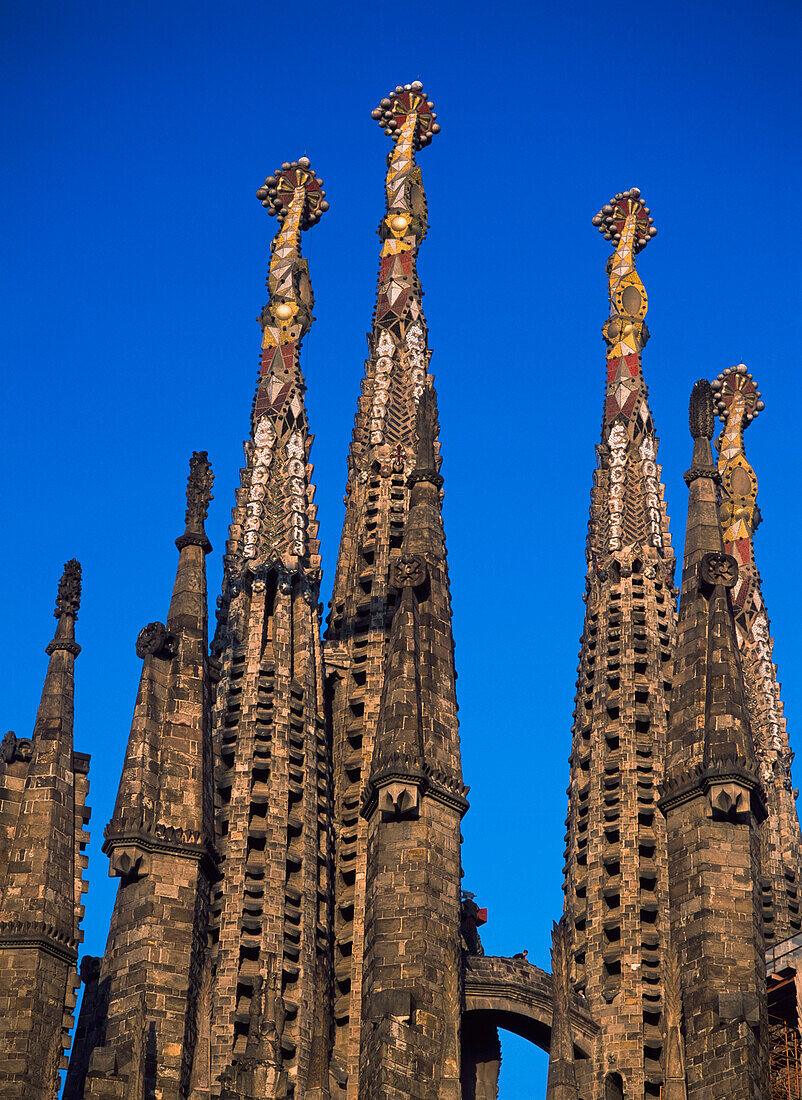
736, 390
199, 493
277, 192
405, 109
702, 422
626, 216
68, 599
701, 416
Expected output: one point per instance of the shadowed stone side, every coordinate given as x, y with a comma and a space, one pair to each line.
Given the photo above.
43, 788
714, 806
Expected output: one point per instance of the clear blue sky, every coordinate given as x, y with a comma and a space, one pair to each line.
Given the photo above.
133, 139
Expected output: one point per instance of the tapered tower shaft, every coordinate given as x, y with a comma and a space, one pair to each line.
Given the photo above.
738, 403
270, 911
615, 874
160, 846
414, 802
377, 500
43, 788
714, 806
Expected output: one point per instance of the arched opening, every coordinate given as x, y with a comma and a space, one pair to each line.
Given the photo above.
613, 1087
515, 996
505, 1054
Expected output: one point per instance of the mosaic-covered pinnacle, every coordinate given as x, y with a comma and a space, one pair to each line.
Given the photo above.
737, 384
68, 599
277, 192
612, 217
395, 109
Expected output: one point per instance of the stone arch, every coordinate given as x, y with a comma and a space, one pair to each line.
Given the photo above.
613, 1087
514, 995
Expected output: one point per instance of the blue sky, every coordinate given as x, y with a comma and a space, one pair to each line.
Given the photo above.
133, 139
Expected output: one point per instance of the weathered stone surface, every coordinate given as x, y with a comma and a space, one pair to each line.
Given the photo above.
290, 923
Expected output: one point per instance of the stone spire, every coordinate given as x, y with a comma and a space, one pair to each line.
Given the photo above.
713, 806
414, 802
380, 460
561, 1084
270, 911
708, 693
43, 788
160, 845
615, 874
274, 521
738, 403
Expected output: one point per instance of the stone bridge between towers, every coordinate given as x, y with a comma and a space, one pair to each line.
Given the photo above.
514, 995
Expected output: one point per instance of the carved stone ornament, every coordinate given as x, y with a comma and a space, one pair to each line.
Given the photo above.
129, 862
408, 571
68, 599
15, 748
199, 490
719, 569
702, 413
399, 800
90, 968
155, 640
728, 799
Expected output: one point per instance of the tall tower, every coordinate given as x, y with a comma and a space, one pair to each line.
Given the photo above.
160, 845
738, 403
380, 460
714, 806
268, 1007
413, 803
43, 789
615, 872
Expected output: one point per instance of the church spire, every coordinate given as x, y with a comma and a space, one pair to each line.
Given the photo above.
270, 919
738, 403
414, 801
43, 791
615, 892
709, 691
274, 522
160, 844
713, 807
380, 460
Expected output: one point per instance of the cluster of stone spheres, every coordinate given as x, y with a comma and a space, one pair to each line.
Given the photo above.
290, 921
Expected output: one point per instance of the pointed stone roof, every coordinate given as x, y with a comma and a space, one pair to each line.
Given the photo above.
165, 786
417, 732
39, 886
709, 724
274, 523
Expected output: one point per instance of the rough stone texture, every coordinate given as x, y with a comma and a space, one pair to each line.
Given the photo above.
289, 923
269, 1011
714, 808
377, 498
739, 403
615, 869
43, 789
414, 802
159, 844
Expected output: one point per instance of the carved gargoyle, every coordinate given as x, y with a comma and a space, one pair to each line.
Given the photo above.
155, 640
